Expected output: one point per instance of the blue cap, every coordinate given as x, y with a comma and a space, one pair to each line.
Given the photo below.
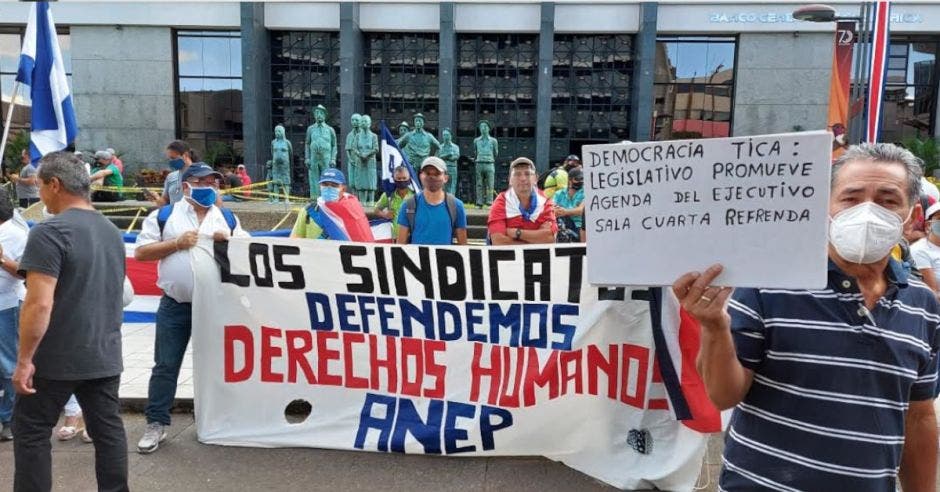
333, 175
199, 170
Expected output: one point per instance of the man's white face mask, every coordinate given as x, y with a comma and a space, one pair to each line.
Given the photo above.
865, 233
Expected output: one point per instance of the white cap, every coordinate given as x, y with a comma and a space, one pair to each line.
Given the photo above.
932, 210
929, 189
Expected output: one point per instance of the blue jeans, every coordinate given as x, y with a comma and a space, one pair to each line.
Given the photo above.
174, 327
9, 341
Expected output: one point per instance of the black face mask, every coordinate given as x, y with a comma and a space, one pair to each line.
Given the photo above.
401, 185
577, 185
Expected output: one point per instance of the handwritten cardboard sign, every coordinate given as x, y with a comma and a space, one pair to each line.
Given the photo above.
758, 205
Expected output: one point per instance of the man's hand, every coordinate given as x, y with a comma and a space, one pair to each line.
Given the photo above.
187, 240
23, 378
705, 302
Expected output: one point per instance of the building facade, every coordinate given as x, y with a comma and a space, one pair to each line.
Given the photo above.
549, 77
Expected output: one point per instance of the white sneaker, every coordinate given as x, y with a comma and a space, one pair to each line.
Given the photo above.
153, 436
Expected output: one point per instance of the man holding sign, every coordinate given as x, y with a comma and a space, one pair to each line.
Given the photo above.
833, 389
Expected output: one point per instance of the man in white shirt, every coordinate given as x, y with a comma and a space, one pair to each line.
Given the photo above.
926, 252
168, 234
13, 232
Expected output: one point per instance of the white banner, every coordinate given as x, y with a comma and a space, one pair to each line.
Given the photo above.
441, 350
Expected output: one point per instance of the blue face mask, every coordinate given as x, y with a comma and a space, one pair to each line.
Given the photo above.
177, 164
205, 196
329, 194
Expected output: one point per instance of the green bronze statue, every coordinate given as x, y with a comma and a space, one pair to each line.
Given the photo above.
449, 153
352, 152
319, 149
367, 147
418, 144
487, 149
403, 130
281, 157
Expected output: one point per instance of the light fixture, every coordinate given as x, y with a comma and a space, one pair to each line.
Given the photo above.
815, 13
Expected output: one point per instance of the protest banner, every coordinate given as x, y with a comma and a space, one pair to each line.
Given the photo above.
758, 205
455, 351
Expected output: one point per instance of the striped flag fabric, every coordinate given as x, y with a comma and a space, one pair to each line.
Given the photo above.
53, 125
880, 35
392, 157
343, 219
143, 276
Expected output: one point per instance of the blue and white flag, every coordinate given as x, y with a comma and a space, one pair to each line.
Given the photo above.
392, 158
53, 125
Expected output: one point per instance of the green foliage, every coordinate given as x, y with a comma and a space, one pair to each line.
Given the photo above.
219, 154
16, 143
927, 149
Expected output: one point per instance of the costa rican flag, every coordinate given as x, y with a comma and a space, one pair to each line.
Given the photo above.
343, 219
143, 276
880, 35
677, 336
53, 125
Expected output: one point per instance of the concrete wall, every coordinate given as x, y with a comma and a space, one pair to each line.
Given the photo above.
782, 81
122, 84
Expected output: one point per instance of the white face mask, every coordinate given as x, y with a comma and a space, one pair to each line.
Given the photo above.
865, 233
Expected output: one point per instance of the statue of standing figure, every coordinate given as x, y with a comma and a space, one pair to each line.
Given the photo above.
418, 144
352, 152
319, 149
487, 149
449, 153
367, 147
403, 130
281, 153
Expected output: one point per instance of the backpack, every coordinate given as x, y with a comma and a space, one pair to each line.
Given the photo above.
411, 209
164, 214
544, 176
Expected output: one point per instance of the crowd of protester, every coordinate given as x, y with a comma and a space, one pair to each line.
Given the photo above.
833, 389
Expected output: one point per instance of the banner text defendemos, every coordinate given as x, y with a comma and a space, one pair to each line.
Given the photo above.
432, 293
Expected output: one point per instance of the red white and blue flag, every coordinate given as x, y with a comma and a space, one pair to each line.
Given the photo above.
878, 63
143, 276
343, 219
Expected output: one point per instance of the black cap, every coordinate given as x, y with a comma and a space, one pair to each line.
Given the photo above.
572, 157
575, 175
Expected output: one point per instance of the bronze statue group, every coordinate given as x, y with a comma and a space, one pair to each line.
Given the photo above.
362, 149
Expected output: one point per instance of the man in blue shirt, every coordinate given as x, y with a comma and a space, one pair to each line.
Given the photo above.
432, 216
833, 389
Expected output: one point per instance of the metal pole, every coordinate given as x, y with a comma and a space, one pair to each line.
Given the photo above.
855, 89
866, 69
6, 126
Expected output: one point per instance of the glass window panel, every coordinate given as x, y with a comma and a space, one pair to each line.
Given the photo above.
235, 63
9, 52
216, 57
189, 56
65, 47
6, 90
898, 49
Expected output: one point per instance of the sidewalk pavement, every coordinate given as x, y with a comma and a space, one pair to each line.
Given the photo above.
182, 463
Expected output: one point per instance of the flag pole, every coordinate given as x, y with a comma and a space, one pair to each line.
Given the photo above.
6, 126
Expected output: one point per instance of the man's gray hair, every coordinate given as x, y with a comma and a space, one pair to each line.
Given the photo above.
69, 169
884, 152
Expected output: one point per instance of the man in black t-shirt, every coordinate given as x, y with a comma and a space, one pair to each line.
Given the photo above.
70, 329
